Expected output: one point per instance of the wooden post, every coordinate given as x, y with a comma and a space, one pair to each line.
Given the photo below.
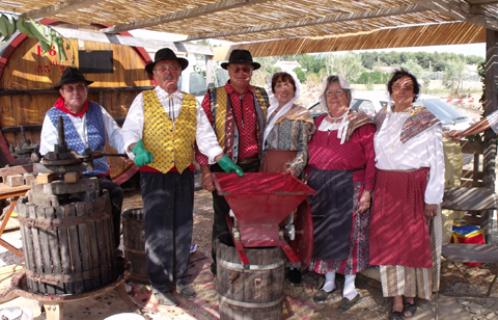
491, 104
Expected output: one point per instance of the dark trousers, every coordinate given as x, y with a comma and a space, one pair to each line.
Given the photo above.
221, 209
168, 206
116, 195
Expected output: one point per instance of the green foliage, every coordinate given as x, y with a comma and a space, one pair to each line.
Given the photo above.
312, 63
301, 76
373, 77
347, 66
453, 74
432, 61
46, 36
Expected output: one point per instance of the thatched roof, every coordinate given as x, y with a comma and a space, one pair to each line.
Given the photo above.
292, 26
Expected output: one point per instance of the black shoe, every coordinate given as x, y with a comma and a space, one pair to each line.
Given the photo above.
185, 290
321, 296
294, 275
409, 309
346, 304
396, 315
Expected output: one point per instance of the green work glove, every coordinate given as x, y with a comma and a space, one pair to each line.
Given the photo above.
142, 155
229, 166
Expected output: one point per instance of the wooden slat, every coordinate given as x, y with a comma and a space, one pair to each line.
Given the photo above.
485, 253
460, 10
183, 14
447, 34
58, 7
469, 199
347, 17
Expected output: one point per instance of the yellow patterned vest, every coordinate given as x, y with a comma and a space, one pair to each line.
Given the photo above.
171, 144
219, 99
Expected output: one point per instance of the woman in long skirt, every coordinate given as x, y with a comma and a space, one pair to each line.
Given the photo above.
341, 169
409, 188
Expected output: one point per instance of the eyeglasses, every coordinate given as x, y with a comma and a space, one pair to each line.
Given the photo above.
164, 68
336, 93
244, 69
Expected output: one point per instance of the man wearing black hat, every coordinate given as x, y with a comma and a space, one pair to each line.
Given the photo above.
237, 112
160, 132
87, 125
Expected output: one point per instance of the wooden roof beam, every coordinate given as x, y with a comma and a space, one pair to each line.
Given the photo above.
472, 12
457, 10
380, 13
59, 7
181, 15
482, 1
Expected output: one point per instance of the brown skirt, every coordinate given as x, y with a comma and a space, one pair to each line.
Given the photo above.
277, 160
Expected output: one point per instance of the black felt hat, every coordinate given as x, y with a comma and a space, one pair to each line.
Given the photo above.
165, 54
240, 56
72, 75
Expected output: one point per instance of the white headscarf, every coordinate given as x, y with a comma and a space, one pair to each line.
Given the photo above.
285, 108
342, 128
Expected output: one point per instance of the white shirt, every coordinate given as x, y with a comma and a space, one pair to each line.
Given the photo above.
423, 150
133, 126
48, 136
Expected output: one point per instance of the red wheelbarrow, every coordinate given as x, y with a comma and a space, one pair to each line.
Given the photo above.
260, 203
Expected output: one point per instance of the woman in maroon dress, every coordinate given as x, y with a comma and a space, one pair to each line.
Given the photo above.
341, 169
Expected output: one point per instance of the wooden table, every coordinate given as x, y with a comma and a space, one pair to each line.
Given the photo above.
13, 193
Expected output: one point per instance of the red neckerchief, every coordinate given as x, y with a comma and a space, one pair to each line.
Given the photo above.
60, 104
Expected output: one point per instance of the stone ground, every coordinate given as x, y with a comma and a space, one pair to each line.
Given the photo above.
466, 292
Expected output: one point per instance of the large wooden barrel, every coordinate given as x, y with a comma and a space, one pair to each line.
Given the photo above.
253, 293
134, 243
68, 248
27, 77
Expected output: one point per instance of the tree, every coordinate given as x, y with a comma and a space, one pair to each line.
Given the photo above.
300, 74
372, 77
347, 66
453, 74
311, 63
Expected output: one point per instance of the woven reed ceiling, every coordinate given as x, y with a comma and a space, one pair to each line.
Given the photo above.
264, 21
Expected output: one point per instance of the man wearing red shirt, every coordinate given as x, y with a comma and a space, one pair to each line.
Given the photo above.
237, 112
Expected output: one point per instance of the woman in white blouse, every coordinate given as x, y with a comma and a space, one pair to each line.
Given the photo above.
409, 188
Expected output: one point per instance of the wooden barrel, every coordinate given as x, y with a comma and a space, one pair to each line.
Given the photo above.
134, 243
252, 293
68, 249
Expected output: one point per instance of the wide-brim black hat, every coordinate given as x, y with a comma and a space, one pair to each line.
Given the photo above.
240, 56
71, 75
165, 54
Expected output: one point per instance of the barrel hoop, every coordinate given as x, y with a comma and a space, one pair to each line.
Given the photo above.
251, 305
135, 251
50, 224
237, 266
57, 279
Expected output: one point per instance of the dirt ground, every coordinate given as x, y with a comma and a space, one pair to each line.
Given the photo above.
466, 292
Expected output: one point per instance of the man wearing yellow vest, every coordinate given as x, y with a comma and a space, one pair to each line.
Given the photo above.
237, 113
159, 133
